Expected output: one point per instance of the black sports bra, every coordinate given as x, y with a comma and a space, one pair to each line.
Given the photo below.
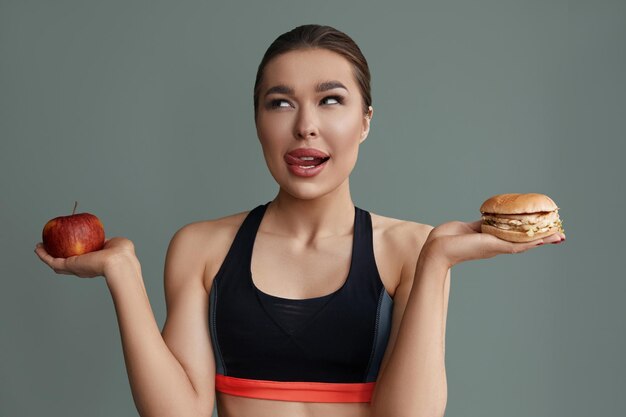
324, 349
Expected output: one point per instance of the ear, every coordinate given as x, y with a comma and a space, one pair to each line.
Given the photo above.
366, 124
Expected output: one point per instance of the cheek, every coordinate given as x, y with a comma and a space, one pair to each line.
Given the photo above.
271, 125
346, 120
344, 132
271, 134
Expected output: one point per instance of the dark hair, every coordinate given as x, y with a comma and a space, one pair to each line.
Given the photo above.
317, 36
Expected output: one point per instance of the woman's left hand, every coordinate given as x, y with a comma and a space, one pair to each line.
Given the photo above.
455, 242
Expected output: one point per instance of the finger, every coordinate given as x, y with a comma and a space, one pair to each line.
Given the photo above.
520, 247
44, 255
530, 245
56, 264
555, 238
41, 252
475, 226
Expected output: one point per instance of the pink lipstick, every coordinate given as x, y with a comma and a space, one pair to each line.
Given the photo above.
306, 162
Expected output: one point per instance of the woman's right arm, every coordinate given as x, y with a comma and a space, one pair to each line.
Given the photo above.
172, 373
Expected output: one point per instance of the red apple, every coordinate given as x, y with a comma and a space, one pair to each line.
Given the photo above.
72, 235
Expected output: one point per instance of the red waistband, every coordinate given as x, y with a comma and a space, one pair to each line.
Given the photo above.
318, 392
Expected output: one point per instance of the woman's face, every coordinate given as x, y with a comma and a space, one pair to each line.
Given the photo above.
310, 99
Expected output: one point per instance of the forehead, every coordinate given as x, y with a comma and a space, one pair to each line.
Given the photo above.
303, 69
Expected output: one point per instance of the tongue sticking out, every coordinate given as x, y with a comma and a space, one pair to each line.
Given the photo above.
309, 162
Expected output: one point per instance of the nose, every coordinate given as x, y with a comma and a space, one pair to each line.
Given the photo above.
306, 124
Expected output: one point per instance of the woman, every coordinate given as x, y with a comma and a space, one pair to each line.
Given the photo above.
340, 312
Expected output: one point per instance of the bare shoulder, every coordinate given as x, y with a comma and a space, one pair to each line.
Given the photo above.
397, 245
207, 233
398, 230
208, 242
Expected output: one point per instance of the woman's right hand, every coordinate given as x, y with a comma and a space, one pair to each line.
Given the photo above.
92, 264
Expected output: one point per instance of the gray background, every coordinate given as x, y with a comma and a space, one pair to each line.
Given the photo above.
138, 110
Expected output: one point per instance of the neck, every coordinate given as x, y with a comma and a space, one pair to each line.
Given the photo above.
309, 219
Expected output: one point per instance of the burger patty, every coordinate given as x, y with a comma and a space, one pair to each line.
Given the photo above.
527, 223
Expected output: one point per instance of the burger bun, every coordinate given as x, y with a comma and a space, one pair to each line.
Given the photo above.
518, 204
520, 217
515, 236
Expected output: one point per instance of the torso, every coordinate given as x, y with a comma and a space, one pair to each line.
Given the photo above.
317, 266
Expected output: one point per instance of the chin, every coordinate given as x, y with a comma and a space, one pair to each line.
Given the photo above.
305, 191
308, 188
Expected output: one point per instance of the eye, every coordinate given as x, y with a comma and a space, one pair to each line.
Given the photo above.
277, 103
338, 99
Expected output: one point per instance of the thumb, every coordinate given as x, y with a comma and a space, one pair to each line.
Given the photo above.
475, 226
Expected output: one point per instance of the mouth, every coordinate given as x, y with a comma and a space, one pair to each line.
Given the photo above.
305, 162
307, 167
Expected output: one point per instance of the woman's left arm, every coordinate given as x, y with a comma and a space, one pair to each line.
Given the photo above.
412, 377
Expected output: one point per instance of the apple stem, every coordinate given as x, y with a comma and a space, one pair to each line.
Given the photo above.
75, 204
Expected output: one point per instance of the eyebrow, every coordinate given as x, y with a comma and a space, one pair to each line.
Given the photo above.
320, 87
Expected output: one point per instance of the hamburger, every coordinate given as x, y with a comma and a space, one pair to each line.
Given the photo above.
520, 217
